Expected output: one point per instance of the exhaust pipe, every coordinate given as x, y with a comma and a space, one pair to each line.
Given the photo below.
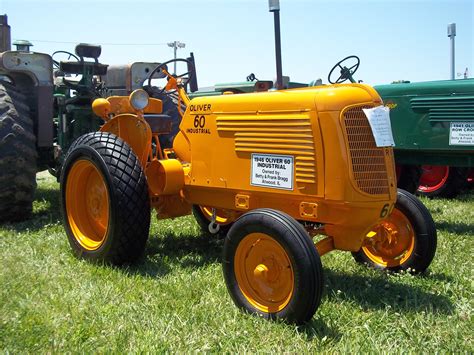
5, 36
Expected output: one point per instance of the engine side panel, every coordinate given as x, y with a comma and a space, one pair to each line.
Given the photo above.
280, 150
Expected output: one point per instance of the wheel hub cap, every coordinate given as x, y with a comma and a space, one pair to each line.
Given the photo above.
87, 204
393, 242
264, 272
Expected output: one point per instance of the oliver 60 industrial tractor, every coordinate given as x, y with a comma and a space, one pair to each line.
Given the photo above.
275, 168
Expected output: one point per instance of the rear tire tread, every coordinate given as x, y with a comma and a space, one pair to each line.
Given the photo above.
17, 155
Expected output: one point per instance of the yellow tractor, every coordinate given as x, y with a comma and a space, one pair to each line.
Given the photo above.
288, 175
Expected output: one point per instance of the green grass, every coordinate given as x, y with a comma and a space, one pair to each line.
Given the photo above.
175, 298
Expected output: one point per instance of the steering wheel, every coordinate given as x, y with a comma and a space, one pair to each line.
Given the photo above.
345, 73
164, 65
56, 63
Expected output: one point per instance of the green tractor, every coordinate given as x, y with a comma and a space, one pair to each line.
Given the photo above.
433, 127
44, 108
45, 104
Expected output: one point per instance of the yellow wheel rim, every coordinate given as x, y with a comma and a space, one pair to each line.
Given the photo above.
87, 204
393, 242
222, 217
264, 273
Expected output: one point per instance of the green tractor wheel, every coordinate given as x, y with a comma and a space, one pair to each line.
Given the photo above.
442, 181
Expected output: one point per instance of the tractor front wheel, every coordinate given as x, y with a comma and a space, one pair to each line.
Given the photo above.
405, 240
105, 203
272, 268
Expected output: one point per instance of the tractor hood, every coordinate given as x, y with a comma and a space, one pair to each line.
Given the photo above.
322, 98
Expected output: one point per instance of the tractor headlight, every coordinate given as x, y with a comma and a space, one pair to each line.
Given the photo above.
139, 99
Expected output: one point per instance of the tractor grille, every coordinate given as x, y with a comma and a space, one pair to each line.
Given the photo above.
368, 161
274, 133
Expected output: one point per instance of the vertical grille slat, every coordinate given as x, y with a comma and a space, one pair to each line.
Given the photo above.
367, 160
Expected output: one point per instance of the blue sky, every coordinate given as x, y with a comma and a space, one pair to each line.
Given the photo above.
232, 38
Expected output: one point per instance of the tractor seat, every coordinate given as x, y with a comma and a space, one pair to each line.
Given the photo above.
78, 67
159, 123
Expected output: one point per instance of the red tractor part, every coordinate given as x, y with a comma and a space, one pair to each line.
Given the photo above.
442, 180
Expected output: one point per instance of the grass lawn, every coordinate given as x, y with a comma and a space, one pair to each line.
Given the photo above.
175, 299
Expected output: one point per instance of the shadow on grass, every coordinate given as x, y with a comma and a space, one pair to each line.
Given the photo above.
379, 292
46, 211
317, 329
458, 228
165, 253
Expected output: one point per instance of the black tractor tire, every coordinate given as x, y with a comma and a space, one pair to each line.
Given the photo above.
272, 268
409, 177
126, 203
203, 221
18, 155
456, 182
416, 220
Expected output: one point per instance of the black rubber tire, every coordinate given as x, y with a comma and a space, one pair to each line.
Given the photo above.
129, 205
409, 178
454, 184
203, 222
18, 155
305, 260
424, 231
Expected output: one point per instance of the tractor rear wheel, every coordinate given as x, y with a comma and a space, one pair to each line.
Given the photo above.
105, 203
405, 240
272, 268
442, 181
17, 155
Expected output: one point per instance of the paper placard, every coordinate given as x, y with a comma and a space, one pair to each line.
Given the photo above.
379, 120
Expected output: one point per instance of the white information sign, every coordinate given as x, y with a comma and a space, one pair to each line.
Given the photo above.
379, 120
272, 171
461, 133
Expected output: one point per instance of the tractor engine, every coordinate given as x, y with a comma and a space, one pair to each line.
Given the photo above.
310, 152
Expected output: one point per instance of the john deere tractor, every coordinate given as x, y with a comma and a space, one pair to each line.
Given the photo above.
289, 175
45, 104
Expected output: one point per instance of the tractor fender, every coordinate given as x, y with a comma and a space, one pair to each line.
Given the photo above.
135, 131
38, 66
